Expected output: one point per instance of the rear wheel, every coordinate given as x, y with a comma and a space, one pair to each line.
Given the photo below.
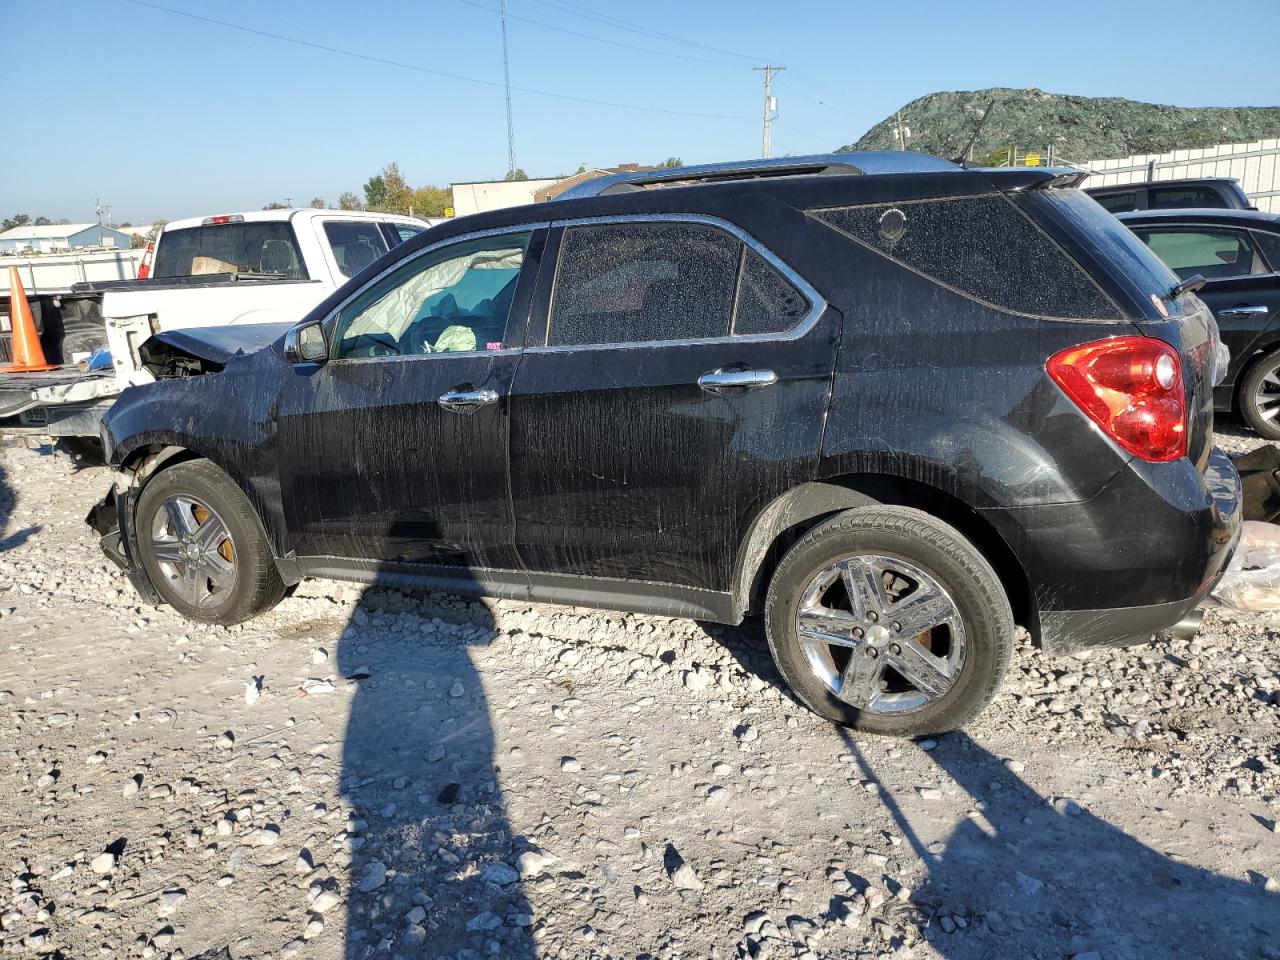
203, 547
1260, 396
888, 620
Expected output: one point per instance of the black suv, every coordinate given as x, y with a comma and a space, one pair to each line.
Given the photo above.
1237, 252
893, 405
1221, 192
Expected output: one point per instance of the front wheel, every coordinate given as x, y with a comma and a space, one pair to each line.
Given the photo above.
888, 620
1260, 396
203, 547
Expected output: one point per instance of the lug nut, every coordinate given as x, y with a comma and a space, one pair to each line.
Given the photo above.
895, 649
896, 625
872, 652
857, 632
873, 616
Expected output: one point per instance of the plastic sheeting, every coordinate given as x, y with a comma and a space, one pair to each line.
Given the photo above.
1252, 580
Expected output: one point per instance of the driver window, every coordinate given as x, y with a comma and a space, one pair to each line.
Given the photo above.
454, 300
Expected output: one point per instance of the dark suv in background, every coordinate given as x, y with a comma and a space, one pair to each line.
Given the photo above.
1237, 252
893, 405
1220, 192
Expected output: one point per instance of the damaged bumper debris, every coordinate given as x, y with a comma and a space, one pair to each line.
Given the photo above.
111, 517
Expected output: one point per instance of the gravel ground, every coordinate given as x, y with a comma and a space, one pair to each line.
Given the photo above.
366, 774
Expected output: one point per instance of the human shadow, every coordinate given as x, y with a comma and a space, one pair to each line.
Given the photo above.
1055, 877
431, 856
8, 504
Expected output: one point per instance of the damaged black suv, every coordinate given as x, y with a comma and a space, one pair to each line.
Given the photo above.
895, 406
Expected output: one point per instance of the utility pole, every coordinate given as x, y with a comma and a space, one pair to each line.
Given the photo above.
506, 75
770, 104
902, 133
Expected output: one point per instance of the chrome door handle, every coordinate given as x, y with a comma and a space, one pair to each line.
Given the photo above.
1243, 311
725, 381
466, 401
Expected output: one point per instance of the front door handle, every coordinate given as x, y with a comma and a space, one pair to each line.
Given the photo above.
1243, 310
728, 381
467, 401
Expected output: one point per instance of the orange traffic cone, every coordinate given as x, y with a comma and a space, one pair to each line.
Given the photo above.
28, 356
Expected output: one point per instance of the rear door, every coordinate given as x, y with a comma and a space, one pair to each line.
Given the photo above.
396, 448
1241, 287
676, 378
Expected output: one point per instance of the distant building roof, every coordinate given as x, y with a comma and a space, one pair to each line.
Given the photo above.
49, 231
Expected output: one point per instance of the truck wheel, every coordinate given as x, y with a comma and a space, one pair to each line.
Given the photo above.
203, 547
887, 620
1260, 396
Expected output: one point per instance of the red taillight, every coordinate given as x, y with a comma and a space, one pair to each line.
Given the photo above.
144, 268
1132, 388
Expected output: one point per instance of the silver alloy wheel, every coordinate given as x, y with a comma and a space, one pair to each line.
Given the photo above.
1266, 396
193, 548
881, 633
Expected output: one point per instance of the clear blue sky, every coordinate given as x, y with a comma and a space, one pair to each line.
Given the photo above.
166, 116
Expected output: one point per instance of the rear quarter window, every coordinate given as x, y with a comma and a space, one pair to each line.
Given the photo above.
249, 248
981, 247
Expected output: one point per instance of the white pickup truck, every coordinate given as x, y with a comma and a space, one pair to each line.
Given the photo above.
263, 266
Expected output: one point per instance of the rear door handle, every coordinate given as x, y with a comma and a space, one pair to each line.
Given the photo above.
728, 381
467, 401
1243, 310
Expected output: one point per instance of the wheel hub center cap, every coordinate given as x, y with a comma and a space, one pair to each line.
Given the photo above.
877, 635
192, 551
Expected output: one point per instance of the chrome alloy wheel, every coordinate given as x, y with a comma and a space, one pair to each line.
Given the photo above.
1266, 396
881, 633
192, 546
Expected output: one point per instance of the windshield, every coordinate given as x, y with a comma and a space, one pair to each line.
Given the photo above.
249, 248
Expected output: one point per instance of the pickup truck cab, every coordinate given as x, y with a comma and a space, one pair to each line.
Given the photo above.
260, 266
263, 266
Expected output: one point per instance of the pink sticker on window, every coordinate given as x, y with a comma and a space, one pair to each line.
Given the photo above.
493, 345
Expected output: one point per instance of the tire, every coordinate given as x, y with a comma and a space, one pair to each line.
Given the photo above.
1254, 387
194, 509
855, 647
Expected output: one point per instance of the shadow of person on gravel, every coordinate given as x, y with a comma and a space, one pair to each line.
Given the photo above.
1057, 877
8, 504
431, 872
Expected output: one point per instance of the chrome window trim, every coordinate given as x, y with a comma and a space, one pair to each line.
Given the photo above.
331, 318
818, 303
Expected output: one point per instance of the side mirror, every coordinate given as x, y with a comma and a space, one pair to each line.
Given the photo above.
306, 344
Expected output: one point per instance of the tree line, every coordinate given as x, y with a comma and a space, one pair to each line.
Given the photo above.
387, 191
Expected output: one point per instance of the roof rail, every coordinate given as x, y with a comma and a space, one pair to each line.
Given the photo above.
822, 164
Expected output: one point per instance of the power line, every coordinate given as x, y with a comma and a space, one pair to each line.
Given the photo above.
435, 73
592, 37
567, 6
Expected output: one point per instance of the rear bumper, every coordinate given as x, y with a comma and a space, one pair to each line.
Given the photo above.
1132, 561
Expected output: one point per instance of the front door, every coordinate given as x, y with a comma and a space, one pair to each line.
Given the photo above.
676, 381
396, 448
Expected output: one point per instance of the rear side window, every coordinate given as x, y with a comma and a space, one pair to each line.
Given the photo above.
767, 301
1173, 198
249, 248
1214, 254
355, 244
1118, 202
635, 282
981, 247
398, 233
